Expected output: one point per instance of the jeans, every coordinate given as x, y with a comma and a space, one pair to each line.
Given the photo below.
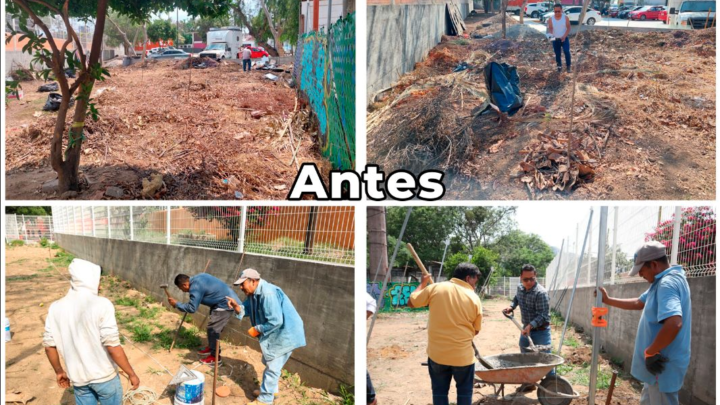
246, 63
441, 376
540, 338
370, 389
107, 393
216, 324
651, 395
565, 45
271, 378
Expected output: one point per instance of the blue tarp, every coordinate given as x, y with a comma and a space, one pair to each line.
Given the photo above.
503, 84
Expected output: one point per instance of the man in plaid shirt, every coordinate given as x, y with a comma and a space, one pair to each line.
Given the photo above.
535, 310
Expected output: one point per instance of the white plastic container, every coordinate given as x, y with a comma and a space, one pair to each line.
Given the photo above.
191, 392
6, 327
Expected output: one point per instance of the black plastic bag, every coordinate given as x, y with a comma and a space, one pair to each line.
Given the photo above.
49, 87
53, 102
503, 84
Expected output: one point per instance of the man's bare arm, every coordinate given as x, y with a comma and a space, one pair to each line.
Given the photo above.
118, 355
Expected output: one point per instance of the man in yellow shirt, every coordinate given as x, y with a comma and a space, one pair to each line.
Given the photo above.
455, 319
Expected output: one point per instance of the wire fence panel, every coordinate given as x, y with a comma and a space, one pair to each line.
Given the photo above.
28, 228
507, 286
688, 234
315, 233
306, 233
208, 227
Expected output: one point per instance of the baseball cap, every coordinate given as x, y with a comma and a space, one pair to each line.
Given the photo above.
649, 251
246, 274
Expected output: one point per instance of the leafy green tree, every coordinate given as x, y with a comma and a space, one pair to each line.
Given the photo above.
59, 57
483, 258
518, 248
161, 30
29, 210
202, 25
427, 229
122, 31
481, 224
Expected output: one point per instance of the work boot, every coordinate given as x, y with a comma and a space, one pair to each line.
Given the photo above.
559, 69
569, 69
205, 351
210, 360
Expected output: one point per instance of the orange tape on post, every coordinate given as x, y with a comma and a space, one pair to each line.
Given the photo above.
597, 320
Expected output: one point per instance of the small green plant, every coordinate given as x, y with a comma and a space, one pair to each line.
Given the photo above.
188, 339
347, 393
62, 258
149, 299
564, 369
142, 333
122, 339
17, 243
54, 246
572, 342
149, 313
128, 302
617, 361
556, 319
44, 242
462, 42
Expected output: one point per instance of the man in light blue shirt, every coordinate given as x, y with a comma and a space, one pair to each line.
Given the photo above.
662, 345
275, 323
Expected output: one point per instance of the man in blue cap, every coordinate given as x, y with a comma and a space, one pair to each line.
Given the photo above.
662, 345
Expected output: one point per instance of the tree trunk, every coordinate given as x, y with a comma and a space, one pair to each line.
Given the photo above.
275, 33
124, 37
504, 16
377, 240
68, 176
271, 50
522, 11
144, 42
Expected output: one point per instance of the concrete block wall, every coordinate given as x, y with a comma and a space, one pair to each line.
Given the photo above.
618, 339
400, 34
323, 295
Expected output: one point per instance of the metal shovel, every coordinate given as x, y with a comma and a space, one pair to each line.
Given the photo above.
532, 345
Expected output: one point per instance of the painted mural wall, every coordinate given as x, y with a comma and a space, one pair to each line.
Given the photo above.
325, 71
396, 296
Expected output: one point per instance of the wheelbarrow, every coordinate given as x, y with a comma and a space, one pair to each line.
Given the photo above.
528, 369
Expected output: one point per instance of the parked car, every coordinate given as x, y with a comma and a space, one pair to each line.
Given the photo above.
170, 54
255, 52
647, 13
591, 16
663, 16
625, 14
534, 10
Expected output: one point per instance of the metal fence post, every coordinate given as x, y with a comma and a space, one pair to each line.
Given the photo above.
132, 226
24, 227
108, 221
92, 219
614, 248
589, 262
168, 230
676, 236
241, 233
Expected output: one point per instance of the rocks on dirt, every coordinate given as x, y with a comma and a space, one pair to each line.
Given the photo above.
50, 186
115, 192
257, 114
152, 186
68, 195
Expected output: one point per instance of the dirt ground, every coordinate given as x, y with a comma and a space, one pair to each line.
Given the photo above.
398, 347
32, 284
196, 127
643, 120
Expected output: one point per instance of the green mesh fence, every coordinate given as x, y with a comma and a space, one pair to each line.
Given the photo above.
325, 69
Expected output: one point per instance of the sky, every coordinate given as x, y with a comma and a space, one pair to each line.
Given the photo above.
553, 221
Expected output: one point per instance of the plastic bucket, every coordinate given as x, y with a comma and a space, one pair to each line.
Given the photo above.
6, 328
191, 392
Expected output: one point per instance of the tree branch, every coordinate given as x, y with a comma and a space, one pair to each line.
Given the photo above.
42, 3
71, 33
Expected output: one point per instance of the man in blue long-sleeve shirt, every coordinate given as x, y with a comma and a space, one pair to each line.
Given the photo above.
275, 322
206, 290
534, 303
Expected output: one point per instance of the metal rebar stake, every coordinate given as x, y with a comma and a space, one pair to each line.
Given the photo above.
598, 302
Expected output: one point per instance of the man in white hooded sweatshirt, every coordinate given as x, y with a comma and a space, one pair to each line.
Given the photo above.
81, 328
